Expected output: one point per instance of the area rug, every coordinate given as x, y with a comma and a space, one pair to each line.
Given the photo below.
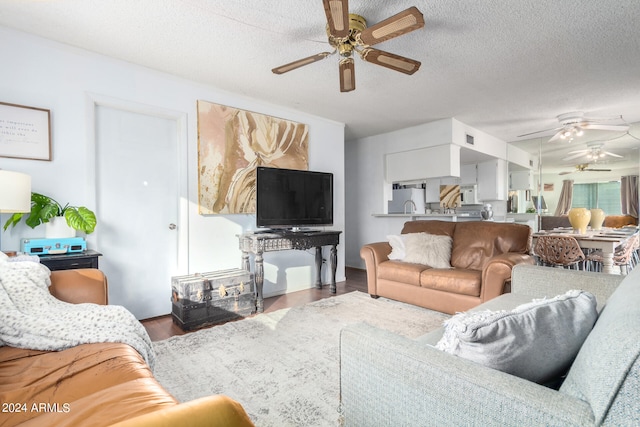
283, 367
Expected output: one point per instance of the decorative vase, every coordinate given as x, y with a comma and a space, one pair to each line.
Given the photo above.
597, 218
57, 228
579, 219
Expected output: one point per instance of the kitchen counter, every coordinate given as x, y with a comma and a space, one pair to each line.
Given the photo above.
531, 215
463, 216
530, 219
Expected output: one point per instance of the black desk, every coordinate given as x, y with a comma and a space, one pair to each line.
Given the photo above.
258, 243
84, 259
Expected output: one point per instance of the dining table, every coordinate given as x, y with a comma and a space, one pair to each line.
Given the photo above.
605, 239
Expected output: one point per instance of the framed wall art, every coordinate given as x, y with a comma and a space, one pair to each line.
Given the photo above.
25, 132
231, 144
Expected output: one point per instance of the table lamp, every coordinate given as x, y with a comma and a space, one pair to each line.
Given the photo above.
15, 193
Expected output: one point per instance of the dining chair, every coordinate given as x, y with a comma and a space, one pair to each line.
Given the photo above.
624, 257
559, 251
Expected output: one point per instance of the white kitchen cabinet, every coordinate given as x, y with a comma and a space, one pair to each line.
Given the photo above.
432, 191
469, 174
492, 180
423, 163
521, 180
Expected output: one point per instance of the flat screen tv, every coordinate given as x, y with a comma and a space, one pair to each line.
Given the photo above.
287, 198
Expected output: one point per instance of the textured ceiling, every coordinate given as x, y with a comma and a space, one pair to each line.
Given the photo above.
504, 67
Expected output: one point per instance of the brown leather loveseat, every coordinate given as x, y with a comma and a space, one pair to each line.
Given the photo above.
482, 256
95, 385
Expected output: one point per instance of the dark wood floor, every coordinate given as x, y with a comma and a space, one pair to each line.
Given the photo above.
160, 328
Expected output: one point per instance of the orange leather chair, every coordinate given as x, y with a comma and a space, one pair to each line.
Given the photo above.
97, 385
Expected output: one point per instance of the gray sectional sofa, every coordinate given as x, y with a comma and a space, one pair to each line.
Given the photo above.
390, 380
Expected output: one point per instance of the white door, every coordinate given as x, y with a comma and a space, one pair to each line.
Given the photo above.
137, 180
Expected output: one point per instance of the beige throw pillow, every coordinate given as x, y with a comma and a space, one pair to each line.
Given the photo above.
397, 246
428, 249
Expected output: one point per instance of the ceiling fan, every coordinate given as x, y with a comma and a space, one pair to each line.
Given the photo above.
348, 32
573, 124
584, 167
594, 151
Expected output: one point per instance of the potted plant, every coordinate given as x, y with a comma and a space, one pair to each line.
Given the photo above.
44, 209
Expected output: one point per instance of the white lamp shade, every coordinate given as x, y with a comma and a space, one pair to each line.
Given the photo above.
15, 192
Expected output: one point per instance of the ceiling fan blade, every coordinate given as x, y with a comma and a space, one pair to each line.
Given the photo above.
390, 60
601, 126
579, 151
575, 155
337, 12
565, 173
347, 75
397, 25
609, 153
538, 131
556, 136
300, 62
597, 170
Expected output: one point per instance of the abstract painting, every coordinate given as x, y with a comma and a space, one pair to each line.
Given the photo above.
450, 196
231, 144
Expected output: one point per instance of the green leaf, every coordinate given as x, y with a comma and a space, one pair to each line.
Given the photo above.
40, 199
34, 219
13, 220
81, 219
43, 208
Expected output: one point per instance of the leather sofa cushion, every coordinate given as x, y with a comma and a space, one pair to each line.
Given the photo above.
456, 280
474, 243
440, 228
618, 221
105, 382
399, 271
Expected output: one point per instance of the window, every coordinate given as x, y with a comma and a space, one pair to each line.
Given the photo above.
603, 195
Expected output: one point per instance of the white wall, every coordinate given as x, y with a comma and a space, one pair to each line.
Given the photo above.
42, 73
483, 142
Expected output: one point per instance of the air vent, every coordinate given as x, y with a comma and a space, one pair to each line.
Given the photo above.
470, 140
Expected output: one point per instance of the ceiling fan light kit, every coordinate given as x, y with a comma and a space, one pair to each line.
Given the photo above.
357, 37
595, 151
571, 133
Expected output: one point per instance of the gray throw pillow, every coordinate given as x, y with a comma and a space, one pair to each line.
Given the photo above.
536, 341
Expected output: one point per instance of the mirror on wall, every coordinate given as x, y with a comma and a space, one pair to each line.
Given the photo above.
594, 163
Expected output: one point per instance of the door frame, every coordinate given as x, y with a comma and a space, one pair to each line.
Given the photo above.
96, 100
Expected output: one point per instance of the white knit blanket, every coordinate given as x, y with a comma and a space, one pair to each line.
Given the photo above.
32, 318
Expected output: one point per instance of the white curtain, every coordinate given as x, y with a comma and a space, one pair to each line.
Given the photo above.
629, 195
566, 197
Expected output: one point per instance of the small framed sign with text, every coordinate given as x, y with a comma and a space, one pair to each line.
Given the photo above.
25, 132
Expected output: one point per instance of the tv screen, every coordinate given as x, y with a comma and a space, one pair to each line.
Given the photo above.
287, 198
